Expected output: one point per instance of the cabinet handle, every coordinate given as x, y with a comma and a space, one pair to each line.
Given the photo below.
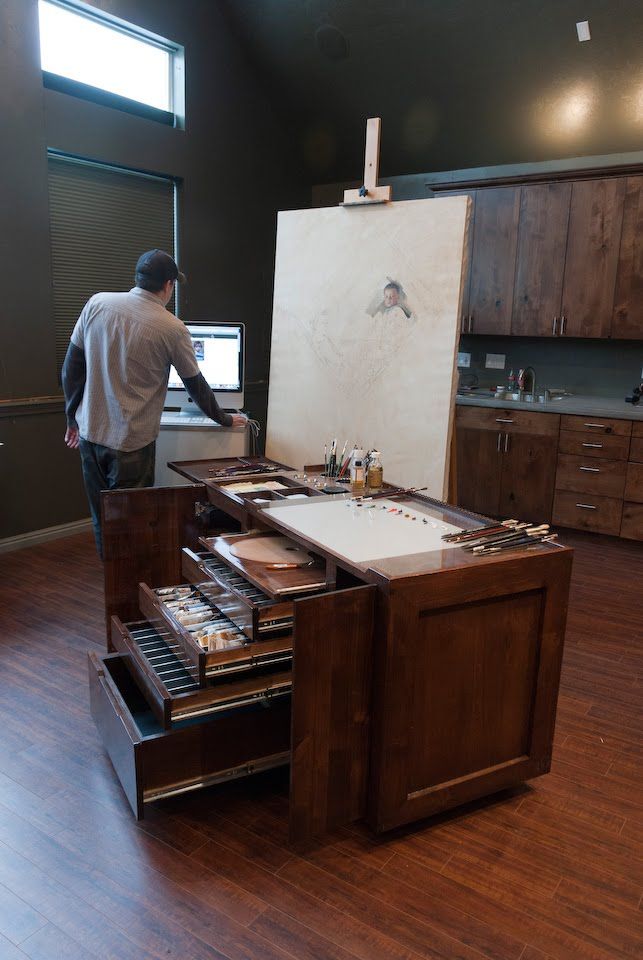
503, 420
602, 426
563, 321
499, 439
470, 323
586, 506
590, 470
463, 323
506, 442
553, 326
596, 446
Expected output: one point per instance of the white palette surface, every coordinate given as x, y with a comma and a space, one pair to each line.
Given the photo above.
367, 533
366, 322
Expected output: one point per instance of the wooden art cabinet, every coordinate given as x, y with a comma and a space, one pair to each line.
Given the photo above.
394, 688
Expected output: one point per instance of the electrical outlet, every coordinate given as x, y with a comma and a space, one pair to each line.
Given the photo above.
464, 359
495, 361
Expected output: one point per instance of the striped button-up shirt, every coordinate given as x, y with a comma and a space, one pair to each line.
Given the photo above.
129, 341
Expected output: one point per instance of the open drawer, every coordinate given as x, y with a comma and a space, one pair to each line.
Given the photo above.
152, 763
237, 651
169, 681
279, 584
252, 610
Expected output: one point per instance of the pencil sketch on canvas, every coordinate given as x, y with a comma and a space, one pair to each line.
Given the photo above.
365, 330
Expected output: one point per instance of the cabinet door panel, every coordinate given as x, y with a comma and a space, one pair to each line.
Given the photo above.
495, 234
627, 322
333, 646
478, 466
595, 219
528, 476
540, 260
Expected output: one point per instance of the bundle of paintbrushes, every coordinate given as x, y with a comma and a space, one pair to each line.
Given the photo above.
505, 535
336, 467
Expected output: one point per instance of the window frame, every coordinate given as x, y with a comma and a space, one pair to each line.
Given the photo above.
175, 117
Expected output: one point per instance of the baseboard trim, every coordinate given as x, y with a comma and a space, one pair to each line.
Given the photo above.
35, 537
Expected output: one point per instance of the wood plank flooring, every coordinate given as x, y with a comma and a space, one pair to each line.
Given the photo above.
551, 871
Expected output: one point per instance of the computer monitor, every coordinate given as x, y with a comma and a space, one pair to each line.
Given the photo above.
219, 352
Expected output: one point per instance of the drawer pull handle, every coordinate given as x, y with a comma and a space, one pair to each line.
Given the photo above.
553, 326
590, 469
601, 426
596, 446
586, 506
503, 420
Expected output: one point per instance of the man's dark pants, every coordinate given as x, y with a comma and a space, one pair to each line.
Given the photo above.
107, 469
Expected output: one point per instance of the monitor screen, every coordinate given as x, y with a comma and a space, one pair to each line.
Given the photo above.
218, 348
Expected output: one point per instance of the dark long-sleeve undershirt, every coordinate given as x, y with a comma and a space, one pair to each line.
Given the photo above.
200, 391
74, 375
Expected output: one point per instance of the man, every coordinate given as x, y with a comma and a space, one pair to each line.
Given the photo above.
115, 380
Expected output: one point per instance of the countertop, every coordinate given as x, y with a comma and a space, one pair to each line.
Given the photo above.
578, 404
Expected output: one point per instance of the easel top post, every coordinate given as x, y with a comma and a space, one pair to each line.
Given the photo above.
370, 192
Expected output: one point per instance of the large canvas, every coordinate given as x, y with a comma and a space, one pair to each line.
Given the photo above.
365, 332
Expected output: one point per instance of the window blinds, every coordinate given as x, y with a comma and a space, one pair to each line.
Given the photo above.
102, 219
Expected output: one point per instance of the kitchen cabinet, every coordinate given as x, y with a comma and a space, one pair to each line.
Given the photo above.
559, 258
591, 474
493, 256
506, 461
592, 255
540, 260
627, 319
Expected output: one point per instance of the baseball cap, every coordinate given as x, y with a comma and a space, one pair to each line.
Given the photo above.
157, 266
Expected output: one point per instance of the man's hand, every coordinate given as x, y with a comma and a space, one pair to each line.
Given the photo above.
239, 419
71, 438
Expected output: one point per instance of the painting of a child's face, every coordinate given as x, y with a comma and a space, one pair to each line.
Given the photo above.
391, 297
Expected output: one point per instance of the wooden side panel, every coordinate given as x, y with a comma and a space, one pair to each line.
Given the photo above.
592, 256
143, 532
627, 321
467, 685
118, 732
634, 483
495, 236
540, 261
632, 525
331, 710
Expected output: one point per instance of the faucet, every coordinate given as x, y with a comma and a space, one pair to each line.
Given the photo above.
533, 380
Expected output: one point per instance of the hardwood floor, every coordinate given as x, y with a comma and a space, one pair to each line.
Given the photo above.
552, 870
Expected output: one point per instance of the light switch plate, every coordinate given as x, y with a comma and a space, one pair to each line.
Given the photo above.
495, 361
464, 359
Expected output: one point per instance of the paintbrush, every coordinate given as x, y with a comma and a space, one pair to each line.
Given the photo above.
523, 531
529, 542
526, 541
479, 531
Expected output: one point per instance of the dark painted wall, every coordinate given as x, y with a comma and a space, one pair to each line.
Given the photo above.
236, 173
457, 83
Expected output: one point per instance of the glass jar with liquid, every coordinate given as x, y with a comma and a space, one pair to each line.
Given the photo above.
375, 476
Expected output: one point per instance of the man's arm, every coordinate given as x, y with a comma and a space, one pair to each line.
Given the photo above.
200, 391
73, 377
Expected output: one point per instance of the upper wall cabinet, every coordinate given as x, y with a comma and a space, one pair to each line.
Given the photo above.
593, 241
493, 257
557, 259
540, 261
627, 319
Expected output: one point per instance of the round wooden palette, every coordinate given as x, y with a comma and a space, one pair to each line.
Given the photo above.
270, 550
